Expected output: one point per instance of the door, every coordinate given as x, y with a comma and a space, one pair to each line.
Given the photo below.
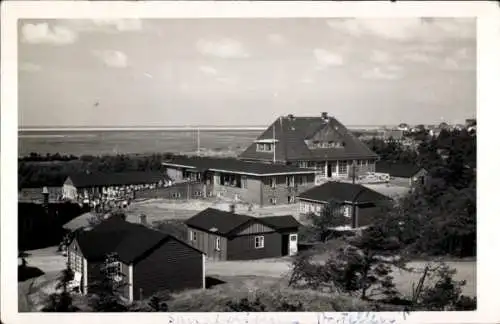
293, 244
329, 170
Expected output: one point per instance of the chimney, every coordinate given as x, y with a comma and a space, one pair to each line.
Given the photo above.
324, 116
144, 220
45, 193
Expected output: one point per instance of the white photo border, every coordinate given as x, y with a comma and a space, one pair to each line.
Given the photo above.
488, 87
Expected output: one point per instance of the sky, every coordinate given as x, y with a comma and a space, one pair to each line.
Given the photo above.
243, 72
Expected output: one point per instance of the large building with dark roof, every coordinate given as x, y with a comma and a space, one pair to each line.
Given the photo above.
226, 235
144, 261
251, 182
321, 143
353, 204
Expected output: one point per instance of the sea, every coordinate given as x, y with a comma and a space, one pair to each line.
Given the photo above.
225, 141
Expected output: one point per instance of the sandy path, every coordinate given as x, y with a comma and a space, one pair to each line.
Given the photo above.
278, 267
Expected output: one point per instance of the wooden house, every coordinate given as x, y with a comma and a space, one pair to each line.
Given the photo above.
144, 261
225, 235
252, 182
321, 143
100, 185
405, 174
353, 204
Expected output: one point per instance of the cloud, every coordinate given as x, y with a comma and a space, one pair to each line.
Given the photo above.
326, 58
29, 67
417, 57
115, 59
378, 56
208, 70
276, 39
459, 60
43, 34
223, 48
401, 29
121, 25
226, 80
379, 74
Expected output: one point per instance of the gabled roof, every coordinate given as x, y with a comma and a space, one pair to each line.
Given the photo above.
128, 240
291, 133
280, 222
342, 192
232, 165
224, 223
400, 170
217, 221
98, 179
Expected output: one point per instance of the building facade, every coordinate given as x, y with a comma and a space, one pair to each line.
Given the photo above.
320, 143
143, 261
352, 205
254, 183
225, 235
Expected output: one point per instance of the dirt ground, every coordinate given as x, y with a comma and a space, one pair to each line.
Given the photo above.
161, 209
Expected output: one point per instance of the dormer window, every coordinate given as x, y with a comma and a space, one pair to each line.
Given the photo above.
266, 145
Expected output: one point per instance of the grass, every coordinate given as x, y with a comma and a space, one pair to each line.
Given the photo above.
271, 292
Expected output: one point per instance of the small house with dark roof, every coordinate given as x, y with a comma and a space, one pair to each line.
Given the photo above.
355, 205
144, 261
91, 185
406, 174
321, 143
226, 235
252, 182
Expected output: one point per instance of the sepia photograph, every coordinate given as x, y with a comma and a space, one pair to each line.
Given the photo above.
251, 164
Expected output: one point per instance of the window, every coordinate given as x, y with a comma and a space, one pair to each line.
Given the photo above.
290, 181
343, 167
259, 242
267, 147
303, 164
176, 195
347, 211
293, 237
113, 270
193, 236
272, 201
198, 194
304, 179
273, 182
291, 199
217, 244
75, 261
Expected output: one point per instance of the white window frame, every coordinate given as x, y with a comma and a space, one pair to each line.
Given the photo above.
347, 211
343, 167
193, 236
273, 182
290, 181
244, 182
116, 264
259, 242
217, 244
273, 200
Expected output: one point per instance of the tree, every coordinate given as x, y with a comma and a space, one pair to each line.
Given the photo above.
445, 294
106, 292
62, 301
329, 217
